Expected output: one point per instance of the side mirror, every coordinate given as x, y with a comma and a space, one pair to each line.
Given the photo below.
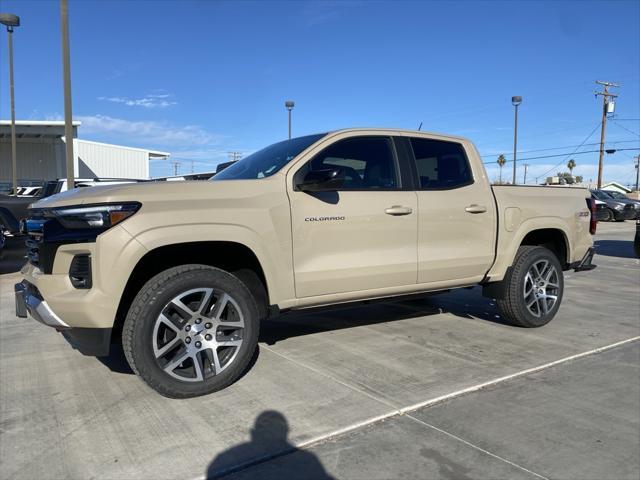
328, 180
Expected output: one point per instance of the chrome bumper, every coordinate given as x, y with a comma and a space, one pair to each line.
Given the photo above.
29, 302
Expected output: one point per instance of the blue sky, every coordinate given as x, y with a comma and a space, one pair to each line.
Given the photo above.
199, 79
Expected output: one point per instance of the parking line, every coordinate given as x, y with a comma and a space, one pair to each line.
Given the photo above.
427, 403
476, 447
480, 386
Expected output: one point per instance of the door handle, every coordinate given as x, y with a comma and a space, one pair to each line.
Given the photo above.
398, 210
473, 208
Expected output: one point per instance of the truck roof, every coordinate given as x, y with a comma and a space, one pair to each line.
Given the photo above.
398, 131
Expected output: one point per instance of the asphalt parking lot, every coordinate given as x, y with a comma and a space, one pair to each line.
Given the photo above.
431, 388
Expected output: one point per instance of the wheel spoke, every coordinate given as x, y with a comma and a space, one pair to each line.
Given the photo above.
197, 366
187, 312
205, 300
216, 361
172, 343
173, 365
230, 343
543, 302
220, 305
164, 320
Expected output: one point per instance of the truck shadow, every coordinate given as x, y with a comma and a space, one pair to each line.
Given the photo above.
468, 303
615, 248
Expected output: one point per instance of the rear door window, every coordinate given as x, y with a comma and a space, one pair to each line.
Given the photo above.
441, 165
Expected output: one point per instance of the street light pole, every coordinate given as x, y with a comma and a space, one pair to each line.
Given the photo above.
11, 21
516, 101
66, 74
289, 106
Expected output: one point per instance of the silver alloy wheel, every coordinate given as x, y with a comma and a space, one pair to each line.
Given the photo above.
198, 334
541, 288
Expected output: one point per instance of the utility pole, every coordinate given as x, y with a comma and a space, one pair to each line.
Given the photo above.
66, 76
605, 102
526, 167
234, 156
191, 166
175, 164
637, 172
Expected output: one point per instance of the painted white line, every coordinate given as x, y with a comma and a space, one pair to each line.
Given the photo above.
496, 381
477, 447
330, 377
405, 410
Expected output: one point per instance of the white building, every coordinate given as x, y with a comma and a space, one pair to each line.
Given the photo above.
41, 154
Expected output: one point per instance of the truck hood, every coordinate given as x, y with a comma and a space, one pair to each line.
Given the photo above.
151, 192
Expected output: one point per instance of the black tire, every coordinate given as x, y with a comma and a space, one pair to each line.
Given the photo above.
609, 215
151, 301
513, 307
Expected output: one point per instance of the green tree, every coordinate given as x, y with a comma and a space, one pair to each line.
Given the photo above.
579, 179
571, 164
501, 162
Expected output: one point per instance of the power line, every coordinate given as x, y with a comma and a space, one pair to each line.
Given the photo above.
562, 155
625, 128
566, 146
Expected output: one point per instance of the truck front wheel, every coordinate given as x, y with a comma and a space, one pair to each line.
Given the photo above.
191, 330
533, 288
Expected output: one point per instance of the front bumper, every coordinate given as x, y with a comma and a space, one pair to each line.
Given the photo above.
30, 302
88, 341
626, 214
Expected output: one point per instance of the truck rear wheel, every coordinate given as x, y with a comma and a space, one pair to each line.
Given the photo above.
191, 330
533, 288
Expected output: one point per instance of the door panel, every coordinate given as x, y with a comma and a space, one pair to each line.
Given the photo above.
456, 223
361, 237
454, 243
346, 242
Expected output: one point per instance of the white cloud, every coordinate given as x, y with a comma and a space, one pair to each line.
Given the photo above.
148, 101
148, 132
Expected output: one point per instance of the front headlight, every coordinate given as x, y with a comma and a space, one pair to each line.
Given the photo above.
94, 216
618, 207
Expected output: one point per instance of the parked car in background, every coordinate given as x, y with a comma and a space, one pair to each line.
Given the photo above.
602, 211
622, 197
29, 191
617, 210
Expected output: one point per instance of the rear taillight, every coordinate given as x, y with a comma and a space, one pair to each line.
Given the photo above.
591, 203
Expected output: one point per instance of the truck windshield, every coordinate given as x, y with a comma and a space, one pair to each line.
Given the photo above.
267, 161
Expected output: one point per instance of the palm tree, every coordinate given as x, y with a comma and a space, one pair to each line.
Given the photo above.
501, 162
571, 165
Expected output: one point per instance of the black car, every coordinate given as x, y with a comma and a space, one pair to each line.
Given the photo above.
636, 240
623, 198
618, 210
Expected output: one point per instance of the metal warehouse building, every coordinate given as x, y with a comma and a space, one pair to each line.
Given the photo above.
40, 152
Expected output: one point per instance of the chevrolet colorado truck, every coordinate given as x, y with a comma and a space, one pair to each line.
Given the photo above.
182, 273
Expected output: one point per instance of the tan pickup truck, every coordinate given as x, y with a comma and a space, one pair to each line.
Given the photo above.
182, 273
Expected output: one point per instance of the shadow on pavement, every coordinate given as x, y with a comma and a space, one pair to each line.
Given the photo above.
466, 303
615, 248
13, 255
268, 441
